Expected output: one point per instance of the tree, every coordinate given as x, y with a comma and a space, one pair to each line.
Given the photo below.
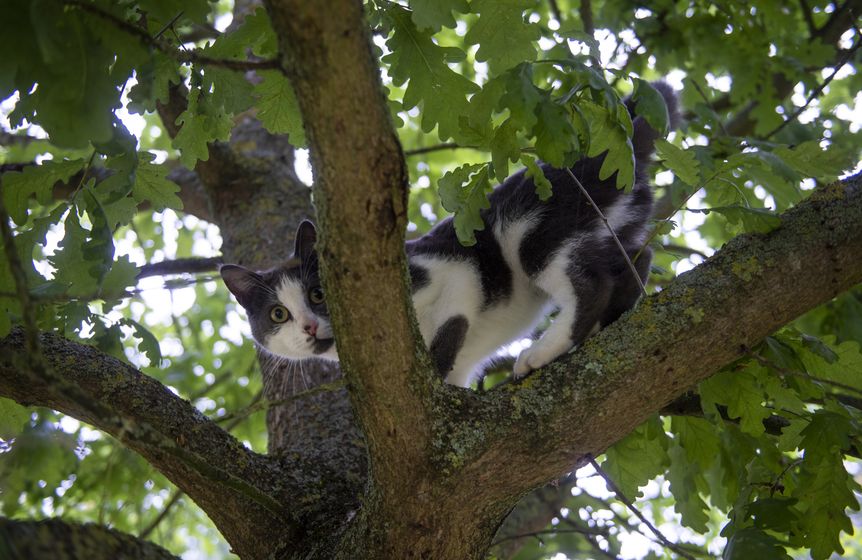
737, 383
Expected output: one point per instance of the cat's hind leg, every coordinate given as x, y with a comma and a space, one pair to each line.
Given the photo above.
627, 290
447, 342
581, 293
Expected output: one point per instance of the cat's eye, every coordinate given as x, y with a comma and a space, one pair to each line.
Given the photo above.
279, 314
315, 295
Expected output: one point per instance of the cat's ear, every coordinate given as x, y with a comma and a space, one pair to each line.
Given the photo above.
306, 237
241, 282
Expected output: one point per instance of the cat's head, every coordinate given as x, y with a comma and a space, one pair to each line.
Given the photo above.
286, 306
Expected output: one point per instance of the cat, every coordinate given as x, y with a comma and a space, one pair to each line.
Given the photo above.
532, 257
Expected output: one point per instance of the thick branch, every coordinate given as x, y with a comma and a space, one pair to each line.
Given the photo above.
703, 320
361, 196
57, 539
245, 494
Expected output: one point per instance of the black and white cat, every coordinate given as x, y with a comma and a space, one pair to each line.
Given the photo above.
532, 257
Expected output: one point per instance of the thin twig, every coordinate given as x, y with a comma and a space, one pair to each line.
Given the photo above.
629, 504
682, 249
180, 266
672, 214
784, 371
555, 10
809, 19
591, 540
816, 91
580, 530
187, 57
172, 501
610, 229
267, 404
708, 104
437, 148
586, 13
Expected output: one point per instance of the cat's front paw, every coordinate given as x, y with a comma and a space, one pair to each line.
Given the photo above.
534, 357
527, 361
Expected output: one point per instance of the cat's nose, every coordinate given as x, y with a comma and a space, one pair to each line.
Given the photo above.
311, 328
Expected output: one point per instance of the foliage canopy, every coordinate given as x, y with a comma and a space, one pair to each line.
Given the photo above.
766, 457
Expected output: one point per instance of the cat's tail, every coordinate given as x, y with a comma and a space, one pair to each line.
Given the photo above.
644, 137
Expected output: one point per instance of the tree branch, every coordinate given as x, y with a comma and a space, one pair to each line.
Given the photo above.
236, 487
703, 320
362, 247
179, 266
61, 540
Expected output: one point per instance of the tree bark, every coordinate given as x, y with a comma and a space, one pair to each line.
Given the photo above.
59, 540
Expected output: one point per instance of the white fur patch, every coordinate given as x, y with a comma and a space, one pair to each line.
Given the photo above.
290, 339
555, 281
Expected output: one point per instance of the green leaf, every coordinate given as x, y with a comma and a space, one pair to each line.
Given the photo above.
228, 89
556, 138
688, 503
72, 267
825, 491
740, 391
504, 36
818, 347
122, 275
415, 57
608, 134
521, 96
255, 33
827, 434
35, 180
154, 79
12, 418
148, 344
200, 124
485, 102
776, 514
434, 14
650, 105
278, 108
151, 184
504, 148
99, 250
750, 543
681, 162
466, 200
637, 458
809, 160
162, 12
699, 438
535, 172
76, 93
844, 368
